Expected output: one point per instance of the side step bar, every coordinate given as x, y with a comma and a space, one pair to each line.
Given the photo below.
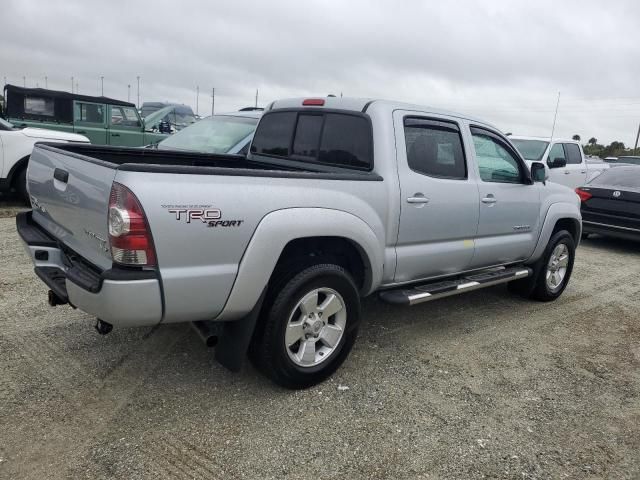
433, 291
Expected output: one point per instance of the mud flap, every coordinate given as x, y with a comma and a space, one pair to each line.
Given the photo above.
235, 338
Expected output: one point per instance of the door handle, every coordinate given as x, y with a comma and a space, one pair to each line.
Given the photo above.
583, 171
490, 199
567, 172
61, 175
115, 134
418, 198
82, 132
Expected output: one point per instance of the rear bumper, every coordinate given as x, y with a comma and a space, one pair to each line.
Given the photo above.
119, 296
611, 230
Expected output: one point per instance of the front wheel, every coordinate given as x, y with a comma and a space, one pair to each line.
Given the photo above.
551, 272
310, 326
21, 186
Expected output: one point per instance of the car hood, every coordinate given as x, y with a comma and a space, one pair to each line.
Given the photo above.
154, 118
45, 134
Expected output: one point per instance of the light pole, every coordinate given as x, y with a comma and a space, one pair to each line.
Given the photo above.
46, 83
24, 81
71, 84
197, 98
101, 85
128, 92
213, 100
77, 89
138, 77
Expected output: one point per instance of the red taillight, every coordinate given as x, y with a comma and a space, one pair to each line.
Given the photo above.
583, 194
129, 234
313, 102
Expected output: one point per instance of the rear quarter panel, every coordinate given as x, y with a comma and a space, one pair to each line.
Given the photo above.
198, 263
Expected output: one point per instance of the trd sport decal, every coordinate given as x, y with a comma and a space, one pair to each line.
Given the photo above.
207, 214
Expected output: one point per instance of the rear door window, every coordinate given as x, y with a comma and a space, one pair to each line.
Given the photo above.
434, 148
573, 153
89, 112
324, 138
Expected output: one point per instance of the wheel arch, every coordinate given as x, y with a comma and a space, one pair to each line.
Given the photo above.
298, 232
560, 216
16, 168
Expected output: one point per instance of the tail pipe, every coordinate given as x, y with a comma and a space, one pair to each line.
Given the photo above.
208, 331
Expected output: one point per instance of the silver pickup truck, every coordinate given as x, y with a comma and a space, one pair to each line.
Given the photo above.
271, 253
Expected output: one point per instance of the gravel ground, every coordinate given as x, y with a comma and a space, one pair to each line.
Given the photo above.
482, 385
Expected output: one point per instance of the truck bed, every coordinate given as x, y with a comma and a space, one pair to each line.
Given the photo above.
177, 161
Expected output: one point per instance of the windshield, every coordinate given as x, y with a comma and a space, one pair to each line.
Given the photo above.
531, 149
4, 125
216, 134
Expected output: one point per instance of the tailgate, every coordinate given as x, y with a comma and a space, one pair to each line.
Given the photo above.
70, 198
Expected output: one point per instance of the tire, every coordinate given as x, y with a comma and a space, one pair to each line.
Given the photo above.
322, 344
536, 286
21, 185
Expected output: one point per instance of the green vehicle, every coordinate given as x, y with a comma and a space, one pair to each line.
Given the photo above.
103, 120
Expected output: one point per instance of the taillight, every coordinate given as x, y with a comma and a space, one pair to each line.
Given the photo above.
583, 194
129, 234
313, 102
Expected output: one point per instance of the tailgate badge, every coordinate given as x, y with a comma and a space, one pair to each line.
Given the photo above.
101, 241
36, 204
617, 193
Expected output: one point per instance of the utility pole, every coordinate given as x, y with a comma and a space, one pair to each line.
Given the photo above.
637, 137
213, 100
138, 104
102, 85
46, 83
197, 98
24, 81
555, 116
256, 98
128, 92
77, 89
71, 84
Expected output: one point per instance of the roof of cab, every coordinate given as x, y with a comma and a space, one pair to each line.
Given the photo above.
364, 104
542, 139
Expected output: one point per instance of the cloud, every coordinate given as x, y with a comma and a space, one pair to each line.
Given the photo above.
500, 60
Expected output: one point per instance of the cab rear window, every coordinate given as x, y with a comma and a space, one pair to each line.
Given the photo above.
323, 138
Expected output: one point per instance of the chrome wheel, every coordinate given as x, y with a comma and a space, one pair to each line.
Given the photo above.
557, 267
315, 327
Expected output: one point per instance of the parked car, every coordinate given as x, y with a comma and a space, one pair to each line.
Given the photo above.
624, 160
610, 204
338, 199
224, 133
15, 148
103, 120
565, 159
178, 116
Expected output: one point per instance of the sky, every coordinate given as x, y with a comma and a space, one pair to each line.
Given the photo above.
504, 61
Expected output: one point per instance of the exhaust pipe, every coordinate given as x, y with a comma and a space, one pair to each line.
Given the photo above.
208, 331
55, 299
103, 327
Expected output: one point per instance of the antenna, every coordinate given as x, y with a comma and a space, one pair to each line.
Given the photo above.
555, 116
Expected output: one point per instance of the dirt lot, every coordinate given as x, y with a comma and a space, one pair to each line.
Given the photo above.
482, 385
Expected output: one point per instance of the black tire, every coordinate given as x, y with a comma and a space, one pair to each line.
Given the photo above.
268, 351
535, 286
20, 184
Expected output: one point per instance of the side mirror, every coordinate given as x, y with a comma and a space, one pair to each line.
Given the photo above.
557, 162
538, 172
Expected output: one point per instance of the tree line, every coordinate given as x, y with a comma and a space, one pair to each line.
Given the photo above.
614, 149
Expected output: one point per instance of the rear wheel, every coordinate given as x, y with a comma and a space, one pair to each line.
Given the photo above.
310, 326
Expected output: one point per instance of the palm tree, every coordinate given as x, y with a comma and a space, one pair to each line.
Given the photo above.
593, 141
576, 137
